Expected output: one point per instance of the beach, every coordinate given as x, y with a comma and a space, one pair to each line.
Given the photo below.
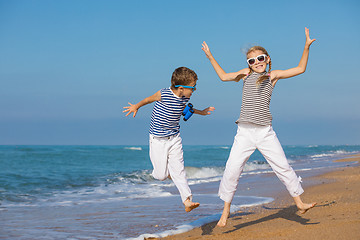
107, 192
336, 216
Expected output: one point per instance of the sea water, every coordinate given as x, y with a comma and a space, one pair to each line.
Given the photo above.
107, 192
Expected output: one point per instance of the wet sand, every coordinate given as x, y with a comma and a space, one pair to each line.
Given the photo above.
336, 216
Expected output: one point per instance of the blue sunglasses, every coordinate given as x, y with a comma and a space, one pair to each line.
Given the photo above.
191, 87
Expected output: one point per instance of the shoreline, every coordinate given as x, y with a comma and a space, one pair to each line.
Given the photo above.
336, 216
112, 199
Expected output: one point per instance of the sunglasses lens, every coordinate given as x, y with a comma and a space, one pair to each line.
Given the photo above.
261, 58
251, 61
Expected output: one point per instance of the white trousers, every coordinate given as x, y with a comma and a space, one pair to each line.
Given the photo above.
248, 138
166, 155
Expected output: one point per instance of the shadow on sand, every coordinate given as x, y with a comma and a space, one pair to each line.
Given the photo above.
288, 213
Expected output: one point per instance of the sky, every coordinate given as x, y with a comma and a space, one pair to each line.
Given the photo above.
67, 68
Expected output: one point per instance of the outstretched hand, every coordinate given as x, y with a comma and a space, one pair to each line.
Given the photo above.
309, 41
207, 111
206, 49
131, 109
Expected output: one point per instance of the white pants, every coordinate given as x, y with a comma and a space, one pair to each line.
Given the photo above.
166, 155
248, 138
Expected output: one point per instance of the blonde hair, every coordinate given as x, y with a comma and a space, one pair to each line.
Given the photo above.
261, 78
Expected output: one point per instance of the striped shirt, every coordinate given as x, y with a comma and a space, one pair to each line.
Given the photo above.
256, 101
166, 114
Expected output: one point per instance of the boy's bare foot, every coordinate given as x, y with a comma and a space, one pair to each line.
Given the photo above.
225, 215
306, 207
190, 205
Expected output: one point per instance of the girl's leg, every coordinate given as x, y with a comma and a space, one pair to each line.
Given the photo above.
241, 150
225, 215
178, 174
271, 149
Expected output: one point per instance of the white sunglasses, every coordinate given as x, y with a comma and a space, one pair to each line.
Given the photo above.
260, 58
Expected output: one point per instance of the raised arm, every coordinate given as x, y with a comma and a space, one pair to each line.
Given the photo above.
133, 108
280, 74
235, 76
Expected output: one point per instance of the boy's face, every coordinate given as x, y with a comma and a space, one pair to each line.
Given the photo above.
187, 92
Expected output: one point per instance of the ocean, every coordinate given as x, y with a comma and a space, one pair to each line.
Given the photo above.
107, 192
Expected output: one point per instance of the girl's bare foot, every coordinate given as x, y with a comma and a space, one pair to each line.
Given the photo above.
303, 207
189, 205
223, 220
225, 215
306, 207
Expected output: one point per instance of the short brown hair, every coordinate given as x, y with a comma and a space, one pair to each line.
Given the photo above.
183, 76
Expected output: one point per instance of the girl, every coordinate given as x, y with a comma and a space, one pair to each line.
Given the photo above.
254, 124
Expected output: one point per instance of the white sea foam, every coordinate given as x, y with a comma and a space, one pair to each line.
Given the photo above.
256, 165
322, 155
133, 148
259, 201
100, 194
225, 147
331, 154
202, 221
312, 146
214, 174
210, 173
291, 161
204, 172
138, 184
198, 181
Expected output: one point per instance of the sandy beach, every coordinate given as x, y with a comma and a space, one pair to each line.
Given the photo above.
336, 216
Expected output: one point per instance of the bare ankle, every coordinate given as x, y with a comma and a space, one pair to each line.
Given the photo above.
225, 215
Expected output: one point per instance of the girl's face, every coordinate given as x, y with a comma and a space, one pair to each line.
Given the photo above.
258, 66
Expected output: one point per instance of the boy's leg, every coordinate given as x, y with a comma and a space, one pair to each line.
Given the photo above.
162, 152
241, 151
158, 151
178, 174
177, 169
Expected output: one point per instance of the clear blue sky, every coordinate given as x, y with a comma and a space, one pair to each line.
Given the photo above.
68, 67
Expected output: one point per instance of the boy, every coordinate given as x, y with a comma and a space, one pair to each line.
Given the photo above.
166, 153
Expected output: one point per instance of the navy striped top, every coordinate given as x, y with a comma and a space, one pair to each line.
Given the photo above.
255, 106
166, 114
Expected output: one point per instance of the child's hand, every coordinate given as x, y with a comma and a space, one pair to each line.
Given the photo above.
206, 49
131, 109
309, 41
207, 111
